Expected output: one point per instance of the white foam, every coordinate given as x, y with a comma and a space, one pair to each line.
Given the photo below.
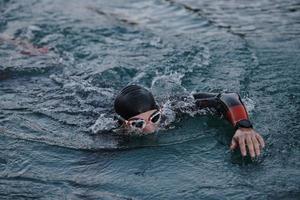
168, 84
249, 103
103, 123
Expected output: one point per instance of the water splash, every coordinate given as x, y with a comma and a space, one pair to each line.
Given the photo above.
168, 84
249, 103
103, 123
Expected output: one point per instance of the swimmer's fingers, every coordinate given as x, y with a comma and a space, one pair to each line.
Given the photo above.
256, 145
261, 140
242, 146
250, 147
233, 144
247, 137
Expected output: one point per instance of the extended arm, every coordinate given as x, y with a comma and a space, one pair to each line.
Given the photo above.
231, 106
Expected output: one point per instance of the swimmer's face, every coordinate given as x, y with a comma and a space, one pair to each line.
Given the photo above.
150, 118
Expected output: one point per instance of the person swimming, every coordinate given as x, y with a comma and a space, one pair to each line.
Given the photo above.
139, 112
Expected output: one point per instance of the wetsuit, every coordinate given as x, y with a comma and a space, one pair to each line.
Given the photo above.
228, 105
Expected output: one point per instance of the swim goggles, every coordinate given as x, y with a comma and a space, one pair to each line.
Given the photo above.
138, 123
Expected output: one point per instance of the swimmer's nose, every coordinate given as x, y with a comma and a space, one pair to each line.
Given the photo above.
150, 128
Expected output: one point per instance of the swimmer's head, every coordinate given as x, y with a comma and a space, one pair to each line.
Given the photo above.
136, 102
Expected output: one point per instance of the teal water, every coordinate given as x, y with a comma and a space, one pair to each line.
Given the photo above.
55, 100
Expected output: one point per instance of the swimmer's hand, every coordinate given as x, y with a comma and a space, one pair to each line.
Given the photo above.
247, 137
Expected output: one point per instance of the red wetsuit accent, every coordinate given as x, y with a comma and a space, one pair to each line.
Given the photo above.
229, 105
236, 113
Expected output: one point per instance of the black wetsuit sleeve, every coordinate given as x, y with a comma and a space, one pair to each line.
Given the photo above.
229, 105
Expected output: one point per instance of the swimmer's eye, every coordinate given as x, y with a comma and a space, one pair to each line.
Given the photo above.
138, 124
155, 118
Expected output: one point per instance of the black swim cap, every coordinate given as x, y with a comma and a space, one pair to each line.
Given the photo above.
133, 100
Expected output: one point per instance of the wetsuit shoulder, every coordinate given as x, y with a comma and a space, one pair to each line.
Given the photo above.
204, 95
206, 100
229, 105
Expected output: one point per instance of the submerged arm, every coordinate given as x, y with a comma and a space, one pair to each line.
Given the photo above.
231, 106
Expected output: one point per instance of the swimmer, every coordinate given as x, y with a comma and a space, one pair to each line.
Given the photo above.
139, 112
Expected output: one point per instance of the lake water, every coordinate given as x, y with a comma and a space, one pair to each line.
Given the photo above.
63, 62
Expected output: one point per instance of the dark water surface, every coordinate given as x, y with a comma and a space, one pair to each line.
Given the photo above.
62, 62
